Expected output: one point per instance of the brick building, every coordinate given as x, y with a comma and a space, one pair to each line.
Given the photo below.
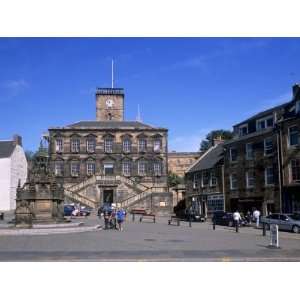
112, 160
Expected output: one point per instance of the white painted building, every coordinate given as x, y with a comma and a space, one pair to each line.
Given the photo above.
13, 167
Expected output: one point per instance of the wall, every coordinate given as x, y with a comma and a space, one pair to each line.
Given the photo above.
179, 162
18, 171
4, 183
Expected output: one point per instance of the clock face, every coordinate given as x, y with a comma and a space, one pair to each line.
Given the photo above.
109, 102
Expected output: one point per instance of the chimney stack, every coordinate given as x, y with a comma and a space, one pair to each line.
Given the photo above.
296, 88
217, 140
17, 140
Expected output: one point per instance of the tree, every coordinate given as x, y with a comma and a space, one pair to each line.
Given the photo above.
214, 134
174, 179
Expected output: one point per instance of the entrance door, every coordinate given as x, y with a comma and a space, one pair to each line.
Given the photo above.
108, 196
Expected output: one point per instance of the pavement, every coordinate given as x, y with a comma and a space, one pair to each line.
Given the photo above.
147, 241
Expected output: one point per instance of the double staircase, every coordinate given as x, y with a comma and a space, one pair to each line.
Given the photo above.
73, 192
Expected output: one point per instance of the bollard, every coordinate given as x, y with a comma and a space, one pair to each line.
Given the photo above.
1, 216
214, 225
133, 217
190, 221
264, 229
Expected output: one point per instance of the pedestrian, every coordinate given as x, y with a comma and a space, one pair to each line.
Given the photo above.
236, 218
113, 223
120, 218
249, 217
256, 215
106, 215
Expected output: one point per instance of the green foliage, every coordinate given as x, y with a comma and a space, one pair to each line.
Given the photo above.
174, 179
220, 133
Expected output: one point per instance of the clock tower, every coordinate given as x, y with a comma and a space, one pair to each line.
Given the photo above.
109, 104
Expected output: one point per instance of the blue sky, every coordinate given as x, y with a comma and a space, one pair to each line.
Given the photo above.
189, 85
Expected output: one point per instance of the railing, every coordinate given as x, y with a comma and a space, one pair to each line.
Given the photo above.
80, 198
82, 184
133, 199
131, 183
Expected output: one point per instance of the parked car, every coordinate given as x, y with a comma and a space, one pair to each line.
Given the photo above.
85, 211
289, 222
226, 219
194, 215
68, 209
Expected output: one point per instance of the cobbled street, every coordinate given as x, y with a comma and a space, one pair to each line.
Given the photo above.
147, 241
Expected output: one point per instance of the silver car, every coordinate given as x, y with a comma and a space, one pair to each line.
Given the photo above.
290, 222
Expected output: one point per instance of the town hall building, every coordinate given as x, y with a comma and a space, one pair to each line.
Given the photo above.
111, 160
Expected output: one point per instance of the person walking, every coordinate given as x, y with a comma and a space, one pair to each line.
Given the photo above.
120, 218
106, 219
236, 218
249, 217
256, 215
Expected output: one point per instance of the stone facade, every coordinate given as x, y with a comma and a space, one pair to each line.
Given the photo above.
204, 182
179, 162
289, 138
41, 198
109, 160
109, 104
262, 161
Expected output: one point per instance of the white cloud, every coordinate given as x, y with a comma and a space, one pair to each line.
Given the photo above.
13, 88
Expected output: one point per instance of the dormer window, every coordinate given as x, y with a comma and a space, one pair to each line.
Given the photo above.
243, 130
265, 123
59, 145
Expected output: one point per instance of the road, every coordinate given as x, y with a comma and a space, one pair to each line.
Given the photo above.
151, 242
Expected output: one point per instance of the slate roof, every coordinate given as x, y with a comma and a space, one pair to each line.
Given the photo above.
109, 125
208, 160
6, 148
263, 113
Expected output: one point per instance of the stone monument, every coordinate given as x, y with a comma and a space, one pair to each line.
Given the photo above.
41, 199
